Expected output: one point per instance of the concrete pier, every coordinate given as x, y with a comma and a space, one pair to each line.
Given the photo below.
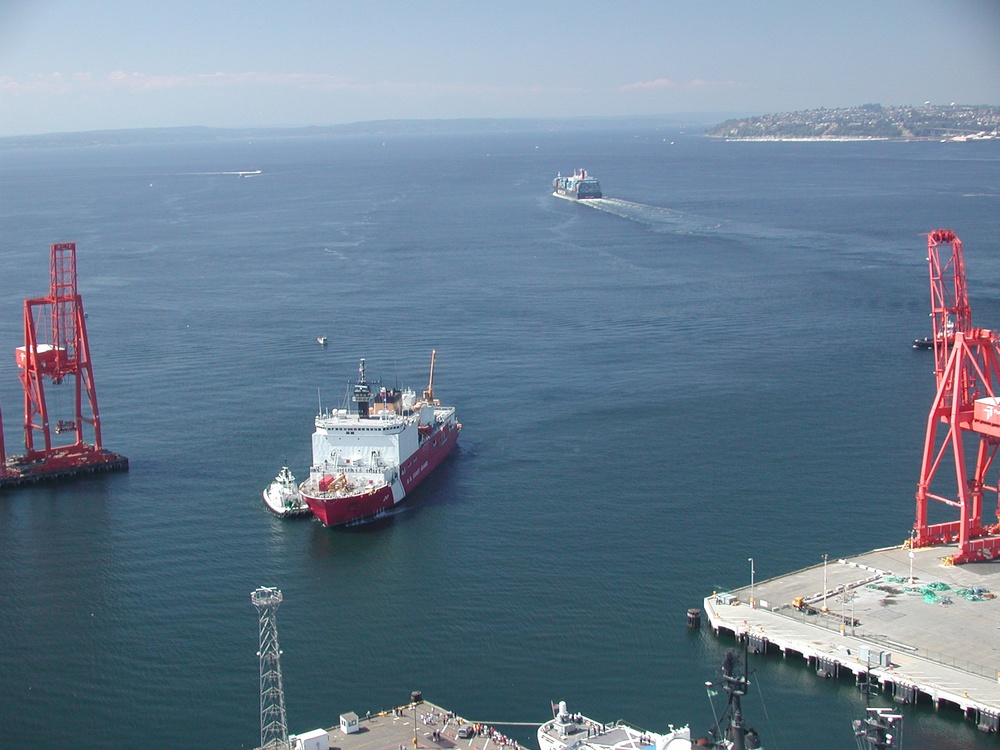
935, 637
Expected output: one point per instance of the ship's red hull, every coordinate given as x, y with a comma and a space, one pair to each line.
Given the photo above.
341, 510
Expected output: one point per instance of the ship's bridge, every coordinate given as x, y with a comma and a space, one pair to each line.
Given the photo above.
344, 422
352, 439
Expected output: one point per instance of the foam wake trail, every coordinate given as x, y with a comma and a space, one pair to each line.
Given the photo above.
654, 217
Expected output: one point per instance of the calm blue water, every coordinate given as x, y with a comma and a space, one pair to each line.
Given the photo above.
649, 399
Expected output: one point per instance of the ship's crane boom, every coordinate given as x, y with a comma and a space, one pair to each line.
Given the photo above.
429, 393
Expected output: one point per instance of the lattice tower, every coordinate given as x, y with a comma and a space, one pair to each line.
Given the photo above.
273, 721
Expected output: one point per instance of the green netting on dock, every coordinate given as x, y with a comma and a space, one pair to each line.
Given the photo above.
973, 594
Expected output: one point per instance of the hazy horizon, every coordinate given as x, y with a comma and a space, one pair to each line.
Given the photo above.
68, 66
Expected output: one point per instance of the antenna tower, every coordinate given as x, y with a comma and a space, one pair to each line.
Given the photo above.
966, 405
273, 722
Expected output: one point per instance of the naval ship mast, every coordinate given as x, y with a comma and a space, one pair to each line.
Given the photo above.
735, 684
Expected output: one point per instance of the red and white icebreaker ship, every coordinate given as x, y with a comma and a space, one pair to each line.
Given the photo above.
368, 459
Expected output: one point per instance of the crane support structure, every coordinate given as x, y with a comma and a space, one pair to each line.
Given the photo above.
61, 440
965, 411
56, 348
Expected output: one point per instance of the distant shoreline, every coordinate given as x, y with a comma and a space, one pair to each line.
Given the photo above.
869, 122
366, 128
842, 139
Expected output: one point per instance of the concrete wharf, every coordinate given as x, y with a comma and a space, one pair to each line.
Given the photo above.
418, 725
935, 636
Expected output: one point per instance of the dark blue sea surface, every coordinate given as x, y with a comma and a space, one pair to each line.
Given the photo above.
719, 370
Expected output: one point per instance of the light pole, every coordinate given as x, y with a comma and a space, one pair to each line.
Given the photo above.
824, 581
752, 571
843, 609
910, 551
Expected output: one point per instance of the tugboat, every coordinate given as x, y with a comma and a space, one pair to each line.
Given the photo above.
580, 186
948, 335
282, 496
367, 460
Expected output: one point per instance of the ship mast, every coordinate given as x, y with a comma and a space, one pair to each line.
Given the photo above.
736, 686
736, 735
362, 392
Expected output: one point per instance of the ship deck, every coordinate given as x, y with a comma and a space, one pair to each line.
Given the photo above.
414, 726
596, 736
933, 639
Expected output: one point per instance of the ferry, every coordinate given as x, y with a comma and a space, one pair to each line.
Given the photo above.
580, 186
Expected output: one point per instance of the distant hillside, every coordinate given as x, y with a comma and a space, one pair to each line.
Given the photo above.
869, 121
366, 128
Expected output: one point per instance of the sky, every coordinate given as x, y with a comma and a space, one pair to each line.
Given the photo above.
69, 66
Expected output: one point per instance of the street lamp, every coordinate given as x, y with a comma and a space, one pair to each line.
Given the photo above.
752, 571
843, 609
824, 582
910, 552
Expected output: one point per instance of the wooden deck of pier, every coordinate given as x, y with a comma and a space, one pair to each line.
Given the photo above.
419, 725
869, 618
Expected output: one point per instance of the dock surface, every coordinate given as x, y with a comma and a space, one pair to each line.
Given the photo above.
937, 636
417, 726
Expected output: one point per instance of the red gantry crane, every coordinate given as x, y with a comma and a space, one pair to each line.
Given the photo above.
966, 408
56, 350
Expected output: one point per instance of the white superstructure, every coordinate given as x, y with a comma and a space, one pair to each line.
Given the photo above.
576, 732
